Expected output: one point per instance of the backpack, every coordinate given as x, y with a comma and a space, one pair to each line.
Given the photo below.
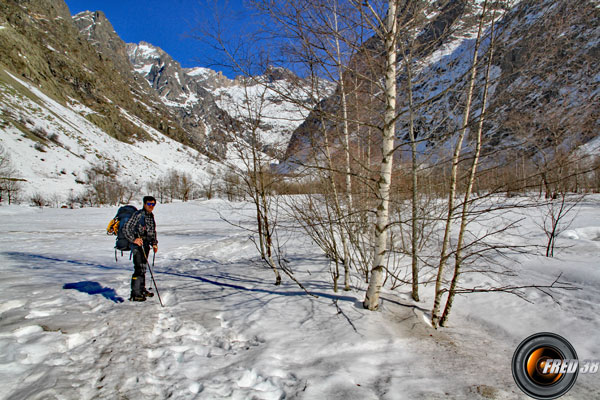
117, 224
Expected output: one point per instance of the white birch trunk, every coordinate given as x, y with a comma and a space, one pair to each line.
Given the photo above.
347, 256
346, 130
463, 220
381, 225
454, 178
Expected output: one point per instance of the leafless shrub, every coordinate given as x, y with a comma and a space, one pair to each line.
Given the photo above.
53, 137
40, 132
38, 200
39, 147
103, 187
208, 189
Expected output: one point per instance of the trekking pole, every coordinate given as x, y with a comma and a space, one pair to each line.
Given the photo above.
151, 274
153, 281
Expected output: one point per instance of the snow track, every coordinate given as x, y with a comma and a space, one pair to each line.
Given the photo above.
132, 349
68, 333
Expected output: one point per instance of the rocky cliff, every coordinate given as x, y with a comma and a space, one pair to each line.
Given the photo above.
40, 42
209, 127
545, 72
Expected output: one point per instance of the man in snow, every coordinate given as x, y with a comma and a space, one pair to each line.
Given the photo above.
140, 231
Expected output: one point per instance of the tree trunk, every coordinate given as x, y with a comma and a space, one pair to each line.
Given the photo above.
382, 215
414, 169
454, 176
465, 209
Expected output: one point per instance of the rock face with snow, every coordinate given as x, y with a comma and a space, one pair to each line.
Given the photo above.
40, 42
549, 74
545, 79
209, 128
164, 83
214, 106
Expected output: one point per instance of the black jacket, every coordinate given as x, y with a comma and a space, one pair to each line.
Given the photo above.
141, 225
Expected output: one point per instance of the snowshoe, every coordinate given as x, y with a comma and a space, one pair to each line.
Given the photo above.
137, 298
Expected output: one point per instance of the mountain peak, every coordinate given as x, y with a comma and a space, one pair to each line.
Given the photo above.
93, 20
278, 74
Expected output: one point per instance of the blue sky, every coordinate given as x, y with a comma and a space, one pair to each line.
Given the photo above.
166, 23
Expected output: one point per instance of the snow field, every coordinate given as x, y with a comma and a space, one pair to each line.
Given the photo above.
226, 332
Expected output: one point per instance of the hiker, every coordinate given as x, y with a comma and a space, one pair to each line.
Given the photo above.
140, 231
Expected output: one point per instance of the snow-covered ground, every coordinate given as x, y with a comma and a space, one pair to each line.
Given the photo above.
67, 330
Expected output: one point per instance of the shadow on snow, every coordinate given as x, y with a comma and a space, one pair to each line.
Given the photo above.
93, 288
259, 290
86, 285
27, 257
41, 262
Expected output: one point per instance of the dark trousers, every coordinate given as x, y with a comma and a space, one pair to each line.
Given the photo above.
140, 260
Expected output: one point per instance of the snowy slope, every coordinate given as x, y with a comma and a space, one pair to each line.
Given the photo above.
67, 330
283, 105
78, 144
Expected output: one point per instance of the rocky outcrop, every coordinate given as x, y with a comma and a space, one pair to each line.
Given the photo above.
209, 128
40, 42
97, 29
207, 78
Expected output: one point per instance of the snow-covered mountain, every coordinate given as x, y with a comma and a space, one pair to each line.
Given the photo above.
205, 98
545, 80
74, 96
209, 128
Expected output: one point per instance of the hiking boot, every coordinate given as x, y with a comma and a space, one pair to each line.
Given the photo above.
147, 293
137, 290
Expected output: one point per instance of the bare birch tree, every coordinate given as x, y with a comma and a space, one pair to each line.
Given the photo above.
388, 35
444, 253
10, 184
458, 254
252, 167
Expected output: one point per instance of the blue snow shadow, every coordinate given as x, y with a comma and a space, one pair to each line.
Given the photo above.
93, 288
282, 292
44, 261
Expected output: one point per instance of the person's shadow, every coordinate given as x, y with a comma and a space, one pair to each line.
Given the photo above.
93, 288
